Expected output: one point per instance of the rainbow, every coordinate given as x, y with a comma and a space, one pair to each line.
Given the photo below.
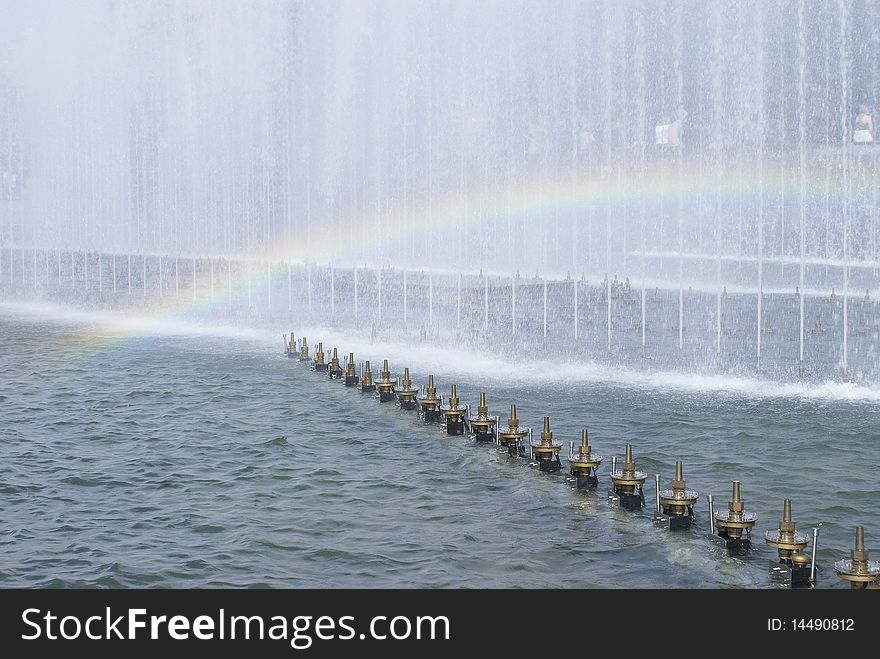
566, 192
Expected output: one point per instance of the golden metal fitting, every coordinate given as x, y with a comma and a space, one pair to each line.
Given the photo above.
513, 434
786, 540
546, 448
859, 570
678, 500
367, 377
482, 423
628, 480
584, 462
735, 519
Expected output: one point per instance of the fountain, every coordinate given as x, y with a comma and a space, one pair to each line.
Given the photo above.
677, 199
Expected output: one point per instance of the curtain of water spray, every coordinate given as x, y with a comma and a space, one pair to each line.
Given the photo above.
844, 119
802, 177
759, 41
718, 144
456, 138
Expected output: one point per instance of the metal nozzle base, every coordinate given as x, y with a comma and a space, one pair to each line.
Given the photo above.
628, 500
454, 426
549, 465
430, 416
368, 388
586, 482
674, 521
352, 380
485, 436
320, 368
736, 546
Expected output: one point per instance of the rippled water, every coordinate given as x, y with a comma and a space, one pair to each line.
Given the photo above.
154, 459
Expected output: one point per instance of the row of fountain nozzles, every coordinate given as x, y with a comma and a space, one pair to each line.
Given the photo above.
676, 501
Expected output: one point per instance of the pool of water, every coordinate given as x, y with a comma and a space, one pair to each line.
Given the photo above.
138, 455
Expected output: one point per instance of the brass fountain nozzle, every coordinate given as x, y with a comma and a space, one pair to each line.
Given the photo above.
584, 450
859, 554
453, 408
628, 481
291, 345
430, 403
629, 466
482, 425
350, 371
367, 376
546, 451
512, 436
406, 393
546, 435
334, 361
513, 422
732, 522
319, 365
304, 351
678, 500
430, 400
859, 569
454, 414
785, 539
583, 465
453, 399
385, 384
482, 408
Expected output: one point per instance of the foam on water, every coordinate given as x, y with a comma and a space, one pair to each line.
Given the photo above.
116, 326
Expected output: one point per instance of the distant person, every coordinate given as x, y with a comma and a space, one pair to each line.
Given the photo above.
864, 127
668, 131
661, 131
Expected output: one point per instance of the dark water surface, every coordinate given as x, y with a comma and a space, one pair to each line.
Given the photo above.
214, 461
